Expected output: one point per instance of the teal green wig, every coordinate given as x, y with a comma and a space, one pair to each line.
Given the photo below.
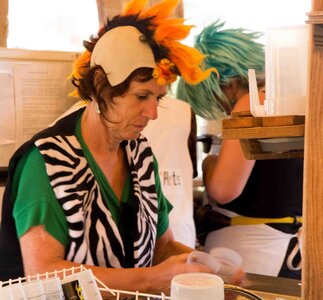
232, 52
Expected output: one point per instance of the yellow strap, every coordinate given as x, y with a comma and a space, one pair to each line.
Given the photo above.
241, 220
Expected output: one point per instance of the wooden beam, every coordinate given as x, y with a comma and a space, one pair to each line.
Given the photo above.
109, 8
312, 274
3, 22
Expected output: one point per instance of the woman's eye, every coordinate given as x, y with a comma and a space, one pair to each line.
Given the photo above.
142, 97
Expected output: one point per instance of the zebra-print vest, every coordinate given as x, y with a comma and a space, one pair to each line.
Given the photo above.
95, 239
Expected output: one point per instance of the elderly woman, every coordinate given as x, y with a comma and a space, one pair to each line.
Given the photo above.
262, 198
86, 190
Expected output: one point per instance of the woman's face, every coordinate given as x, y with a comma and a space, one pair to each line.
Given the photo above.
131, 112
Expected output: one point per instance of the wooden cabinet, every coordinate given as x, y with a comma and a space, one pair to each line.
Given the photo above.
312, 274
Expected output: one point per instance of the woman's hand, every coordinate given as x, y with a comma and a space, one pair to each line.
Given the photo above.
178, 264
175, 265
238, 277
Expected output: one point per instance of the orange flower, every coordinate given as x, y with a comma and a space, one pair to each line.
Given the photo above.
165, 72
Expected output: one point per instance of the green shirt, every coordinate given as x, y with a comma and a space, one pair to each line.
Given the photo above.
35, 201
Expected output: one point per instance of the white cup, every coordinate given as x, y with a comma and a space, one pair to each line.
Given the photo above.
197, 286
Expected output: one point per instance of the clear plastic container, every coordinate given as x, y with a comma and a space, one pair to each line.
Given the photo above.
286, 52
225, 262
286, 70
230, 262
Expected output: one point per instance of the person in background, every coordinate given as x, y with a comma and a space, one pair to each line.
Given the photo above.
86, 190
261, 200
175, 150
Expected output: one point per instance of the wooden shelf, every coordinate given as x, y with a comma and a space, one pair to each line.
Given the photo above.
282, 132
316, 19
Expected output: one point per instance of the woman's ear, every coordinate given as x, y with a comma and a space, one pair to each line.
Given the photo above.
98, 79
231, 89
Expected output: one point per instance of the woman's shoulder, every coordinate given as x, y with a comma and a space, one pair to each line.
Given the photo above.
31, 163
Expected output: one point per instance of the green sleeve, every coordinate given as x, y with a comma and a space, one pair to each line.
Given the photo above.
164, 206
35, 201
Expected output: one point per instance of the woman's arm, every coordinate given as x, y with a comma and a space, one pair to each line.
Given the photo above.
166, 247
42, 253
226, 175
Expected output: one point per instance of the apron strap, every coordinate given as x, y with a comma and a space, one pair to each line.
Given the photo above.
297, 248
242, 220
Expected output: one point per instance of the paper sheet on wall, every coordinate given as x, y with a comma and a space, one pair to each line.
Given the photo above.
33, 95
40, 95
7, 117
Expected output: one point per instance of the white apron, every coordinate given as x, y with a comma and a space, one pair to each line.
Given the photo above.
261, 247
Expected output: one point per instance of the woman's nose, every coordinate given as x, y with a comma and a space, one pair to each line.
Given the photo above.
150, 109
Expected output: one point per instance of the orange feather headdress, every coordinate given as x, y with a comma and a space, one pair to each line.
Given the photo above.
168, 32
178, 59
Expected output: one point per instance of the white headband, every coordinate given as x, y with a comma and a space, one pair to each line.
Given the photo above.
120, 51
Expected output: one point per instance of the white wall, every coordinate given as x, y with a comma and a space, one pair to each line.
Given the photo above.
255, 15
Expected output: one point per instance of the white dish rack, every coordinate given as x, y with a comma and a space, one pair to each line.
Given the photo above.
79, 283
35, 287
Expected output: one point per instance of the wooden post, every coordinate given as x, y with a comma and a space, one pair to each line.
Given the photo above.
3, 22
109, 8
312, 273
